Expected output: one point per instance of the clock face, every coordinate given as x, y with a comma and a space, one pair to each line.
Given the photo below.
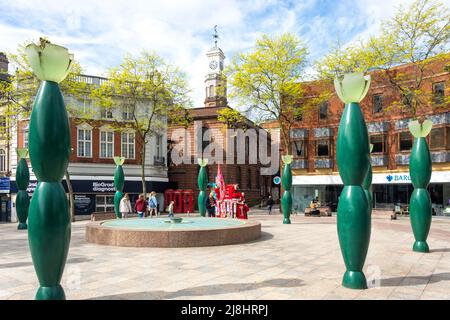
213, 65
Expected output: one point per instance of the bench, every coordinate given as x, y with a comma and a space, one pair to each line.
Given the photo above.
324, 212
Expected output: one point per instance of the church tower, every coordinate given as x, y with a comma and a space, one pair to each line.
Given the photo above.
215, 83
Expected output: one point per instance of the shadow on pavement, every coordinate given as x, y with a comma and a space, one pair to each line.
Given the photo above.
415, 280
204, 290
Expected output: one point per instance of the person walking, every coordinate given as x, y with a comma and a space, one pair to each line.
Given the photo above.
270, 204
170, 209
153, 204
125, 206
141, 206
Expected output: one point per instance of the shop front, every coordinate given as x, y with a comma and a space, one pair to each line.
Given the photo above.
389, 189
5, 199
98, 195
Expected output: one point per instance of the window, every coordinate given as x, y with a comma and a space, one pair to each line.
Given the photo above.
323, 113
128, 145
211, 91
440, 138
379, 143
84, 145
25, 138
104, 203
405, 141
2, 160
377, 101
323, 148
205, 143
407, 99
438, 92
106, 113
159, 145
127, 112
299, 149
298, 112
106, 144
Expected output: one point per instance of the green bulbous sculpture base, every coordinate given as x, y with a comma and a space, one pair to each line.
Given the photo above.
286, 204
49, 232
202, 203
22, 226
354, 280
117, 198
50, 293
420, 218
354, 229
421, 246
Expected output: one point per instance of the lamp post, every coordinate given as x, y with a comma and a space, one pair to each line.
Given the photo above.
202, 185
420, 169
119, 182
49, 227
22, 180
286, 201
354, 221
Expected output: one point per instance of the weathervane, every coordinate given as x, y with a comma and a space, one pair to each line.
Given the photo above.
216, 35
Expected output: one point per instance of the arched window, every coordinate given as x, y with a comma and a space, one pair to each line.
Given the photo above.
2, 160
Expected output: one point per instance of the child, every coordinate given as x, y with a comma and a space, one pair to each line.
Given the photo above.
170, 209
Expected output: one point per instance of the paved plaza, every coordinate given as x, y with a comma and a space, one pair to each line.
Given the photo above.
298, 261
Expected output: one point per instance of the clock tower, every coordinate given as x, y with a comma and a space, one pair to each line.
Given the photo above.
215, 83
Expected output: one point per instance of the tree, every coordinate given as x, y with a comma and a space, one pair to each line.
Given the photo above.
151, 91
418, 35
18, 94
266, 81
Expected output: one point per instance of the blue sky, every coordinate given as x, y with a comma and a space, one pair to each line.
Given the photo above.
100, 32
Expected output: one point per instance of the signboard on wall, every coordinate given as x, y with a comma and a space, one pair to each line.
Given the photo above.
5, 185
84, 204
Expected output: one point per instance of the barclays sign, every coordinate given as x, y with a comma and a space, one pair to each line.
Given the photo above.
398, 178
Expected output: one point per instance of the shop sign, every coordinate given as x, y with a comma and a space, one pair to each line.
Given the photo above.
84, 203
393, 178
5, 185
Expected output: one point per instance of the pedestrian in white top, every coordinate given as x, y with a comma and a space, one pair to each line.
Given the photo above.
125, 206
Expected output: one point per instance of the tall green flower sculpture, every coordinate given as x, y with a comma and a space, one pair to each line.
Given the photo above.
286, 180
367, 185
354, 221
202, 185
420, 171
119, 182
49, 227
22, 180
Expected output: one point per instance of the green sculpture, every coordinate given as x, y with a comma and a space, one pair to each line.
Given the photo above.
119, 182
286, 180
22, 180
420, 171
49, 228
202, 185
367, 185
353, 158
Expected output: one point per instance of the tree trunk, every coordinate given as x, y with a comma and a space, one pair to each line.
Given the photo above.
71, 198
144, 186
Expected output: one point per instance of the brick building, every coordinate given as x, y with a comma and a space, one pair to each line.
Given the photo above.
94, 144
314, 142
247, 176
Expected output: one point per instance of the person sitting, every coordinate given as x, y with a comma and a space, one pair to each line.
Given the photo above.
314, 206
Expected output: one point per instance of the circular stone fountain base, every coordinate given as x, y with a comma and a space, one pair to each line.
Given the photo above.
157, 233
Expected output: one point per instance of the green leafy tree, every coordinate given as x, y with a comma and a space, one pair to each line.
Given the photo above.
266, 81
151, 90
418, 35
